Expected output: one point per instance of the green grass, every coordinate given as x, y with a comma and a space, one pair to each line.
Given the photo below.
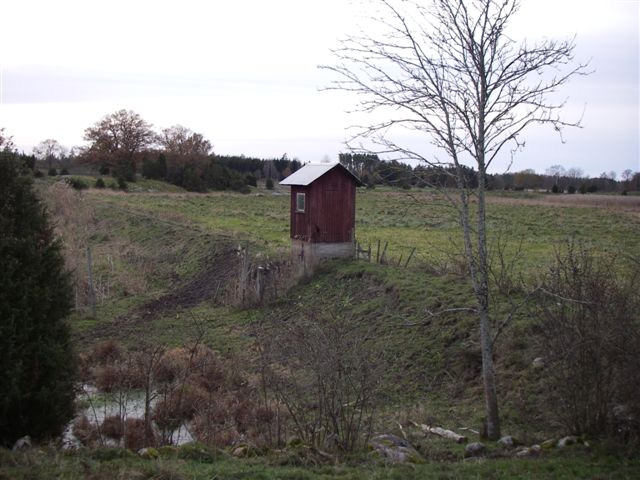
421, 220
155, 238
99, 465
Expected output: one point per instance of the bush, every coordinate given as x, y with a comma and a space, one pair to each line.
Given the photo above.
100, 183
64, 171
591, 338
52, 172
103, 170
122, 184
571, 189
137, 435
327, 375
592, 188
38, 174
76, 183
251, 180
38, 366
269, 184
112, 427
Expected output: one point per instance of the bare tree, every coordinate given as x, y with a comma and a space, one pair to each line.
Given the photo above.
575, 173
450, 72
49, 150
117, 139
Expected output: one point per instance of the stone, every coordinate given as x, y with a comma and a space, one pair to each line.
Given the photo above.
531, 451
507, 441
23, 443
148, 453
566, 441
548, 444
240, 451
474, 449
395, 449
538, 363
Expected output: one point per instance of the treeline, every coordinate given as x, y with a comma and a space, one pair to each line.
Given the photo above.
374, 171
216, 172
124, 145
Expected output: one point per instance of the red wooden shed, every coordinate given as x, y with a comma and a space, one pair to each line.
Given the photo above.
323, 211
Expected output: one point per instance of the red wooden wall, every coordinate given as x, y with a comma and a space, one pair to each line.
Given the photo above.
330, 209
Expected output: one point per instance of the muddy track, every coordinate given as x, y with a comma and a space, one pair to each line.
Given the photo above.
211, 284
214, 283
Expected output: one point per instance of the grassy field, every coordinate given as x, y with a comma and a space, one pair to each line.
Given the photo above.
420, 219
154, 242
118, 464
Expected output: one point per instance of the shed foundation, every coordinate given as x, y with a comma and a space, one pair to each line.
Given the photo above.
308, 254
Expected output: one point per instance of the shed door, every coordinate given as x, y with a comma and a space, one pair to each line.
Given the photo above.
333, 216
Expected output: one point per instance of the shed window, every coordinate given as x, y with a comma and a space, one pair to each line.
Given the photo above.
300, 200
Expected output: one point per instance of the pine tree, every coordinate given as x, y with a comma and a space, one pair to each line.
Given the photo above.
38, 366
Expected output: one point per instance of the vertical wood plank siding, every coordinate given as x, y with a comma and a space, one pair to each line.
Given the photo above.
330, 209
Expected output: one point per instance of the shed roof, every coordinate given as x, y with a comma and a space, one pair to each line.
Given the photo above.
312, 171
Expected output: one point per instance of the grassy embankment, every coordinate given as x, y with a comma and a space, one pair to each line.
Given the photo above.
118, 464
145, 244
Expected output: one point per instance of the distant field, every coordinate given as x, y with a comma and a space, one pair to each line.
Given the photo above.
419, 219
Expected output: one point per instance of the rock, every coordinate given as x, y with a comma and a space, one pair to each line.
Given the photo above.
474, 449
23, 443
548, 444
507, 441
538, 363
535, 449
148, 453
531, 451
566, 441
395, 449
240, 451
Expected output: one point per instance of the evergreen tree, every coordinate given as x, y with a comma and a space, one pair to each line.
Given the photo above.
38, 367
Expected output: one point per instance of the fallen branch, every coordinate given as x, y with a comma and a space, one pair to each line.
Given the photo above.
469, 430
442, 432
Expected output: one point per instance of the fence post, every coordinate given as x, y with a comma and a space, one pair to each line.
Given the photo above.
384, 251
410, 256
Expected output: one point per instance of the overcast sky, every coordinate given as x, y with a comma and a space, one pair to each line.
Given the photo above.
244, 73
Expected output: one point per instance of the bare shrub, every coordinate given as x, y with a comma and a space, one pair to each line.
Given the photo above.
84, 430
106, 352
590, 330
137, 435
177, 407
325, 374
112, 427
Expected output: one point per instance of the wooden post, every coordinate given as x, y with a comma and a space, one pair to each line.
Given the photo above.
384, 251
410, 255
369, 252
378, 253
400, 259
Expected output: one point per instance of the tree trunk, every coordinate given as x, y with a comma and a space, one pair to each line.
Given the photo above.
482, 297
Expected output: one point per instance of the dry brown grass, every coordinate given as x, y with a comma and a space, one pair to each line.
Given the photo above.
616, 202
